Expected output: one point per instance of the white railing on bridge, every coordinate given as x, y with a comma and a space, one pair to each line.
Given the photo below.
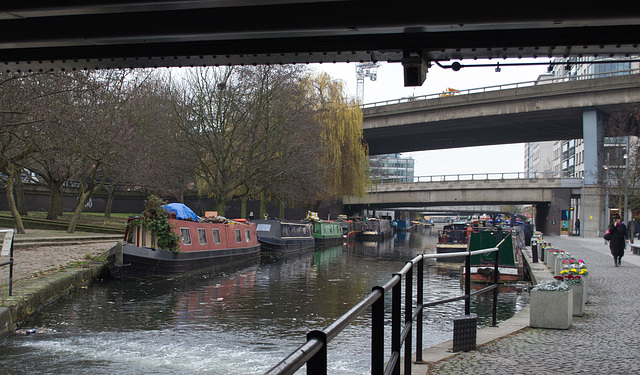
544, 81
478, 177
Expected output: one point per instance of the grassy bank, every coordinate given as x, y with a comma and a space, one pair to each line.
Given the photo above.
98, 220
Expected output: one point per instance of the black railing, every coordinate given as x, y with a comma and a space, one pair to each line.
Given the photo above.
313, 353
7, 249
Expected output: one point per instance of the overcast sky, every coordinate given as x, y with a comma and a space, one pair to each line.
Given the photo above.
389, 85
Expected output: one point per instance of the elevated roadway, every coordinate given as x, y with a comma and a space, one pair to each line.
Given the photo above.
470, 192
523, 112
549, 194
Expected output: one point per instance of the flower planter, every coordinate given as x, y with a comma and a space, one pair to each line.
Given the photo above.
553, 259
551, 309
578, 298
585, 278
558, 266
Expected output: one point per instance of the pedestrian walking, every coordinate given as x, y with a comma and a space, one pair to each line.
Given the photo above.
577, 227
618, 239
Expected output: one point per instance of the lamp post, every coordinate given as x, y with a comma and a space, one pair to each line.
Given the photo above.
627, 218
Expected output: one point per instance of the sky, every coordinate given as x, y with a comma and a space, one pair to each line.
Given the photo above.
390, 85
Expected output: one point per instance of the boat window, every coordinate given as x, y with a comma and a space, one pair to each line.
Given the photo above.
202, 236
216, 236
263, 227
186, 236
247, 235
238, 236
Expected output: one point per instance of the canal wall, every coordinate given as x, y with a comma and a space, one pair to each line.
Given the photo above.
132, 202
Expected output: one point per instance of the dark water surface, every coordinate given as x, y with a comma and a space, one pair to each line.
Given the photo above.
241, 322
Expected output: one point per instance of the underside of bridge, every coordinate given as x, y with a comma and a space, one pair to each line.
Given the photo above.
75, 34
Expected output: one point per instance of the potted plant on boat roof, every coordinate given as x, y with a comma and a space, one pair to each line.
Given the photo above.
551, 305
155, 219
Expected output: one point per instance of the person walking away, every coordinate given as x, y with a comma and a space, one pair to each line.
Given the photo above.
577, 227
618, 240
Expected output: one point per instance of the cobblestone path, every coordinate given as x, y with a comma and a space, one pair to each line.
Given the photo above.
606, 340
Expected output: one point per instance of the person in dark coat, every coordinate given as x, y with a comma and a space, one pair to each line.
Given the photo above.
618, 240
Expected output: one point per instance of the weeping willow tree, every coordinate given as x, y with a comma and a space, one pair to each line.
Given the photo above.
344, 159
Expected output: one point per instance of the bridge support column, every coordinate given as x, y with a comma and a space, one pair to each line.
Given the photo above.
594, 213
594, 218
549, 215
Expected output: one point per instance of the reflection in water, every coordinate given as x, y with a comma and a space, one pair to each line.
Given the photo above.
243, 321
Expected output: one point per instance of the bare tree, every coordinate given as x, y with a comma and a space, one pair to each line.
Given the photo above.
242, 127
621, 160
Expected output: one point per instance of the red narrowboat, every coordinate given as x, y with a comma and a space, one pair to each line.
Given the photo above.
202, 246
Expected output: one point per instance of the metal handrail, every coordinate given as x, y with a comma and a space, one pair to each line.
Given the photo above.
481, 177
500, 87
7, 249
314, 351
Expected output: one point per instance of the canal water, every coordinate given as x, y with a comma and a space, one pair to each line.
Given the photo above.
241, 322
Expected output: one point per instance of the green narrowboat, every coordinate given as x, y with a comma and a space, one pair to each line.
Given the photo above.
510, 259
327, 233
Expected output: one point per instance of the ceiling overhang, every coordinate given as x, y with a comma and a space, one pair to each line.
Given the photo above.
36, 36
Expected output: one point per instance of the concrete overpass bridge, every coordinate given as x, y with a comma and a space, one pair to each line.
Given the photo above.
549, 192
534, 111
578, 107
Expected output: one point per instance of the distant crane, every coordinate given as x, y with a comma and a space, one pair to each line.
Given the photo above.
365, 69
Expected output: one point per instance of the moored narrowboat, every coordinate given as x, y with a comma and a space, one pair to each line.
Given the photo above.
510, 258
204, 244
376, 229
453, 238
284, 236
327, 233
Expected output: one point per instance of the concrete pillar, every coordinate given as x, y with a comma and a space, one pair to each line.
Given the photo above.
594, 212
594, 221
593, 134
542, 221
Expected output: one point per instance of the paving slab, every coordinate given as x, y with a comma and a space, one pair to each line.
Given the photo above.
605, 340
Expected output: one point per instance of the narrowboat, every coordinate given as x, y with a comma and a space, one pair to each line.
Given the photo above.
376, 229
351, 228
453, 238
510, 259
284, 236
327, 233
402, 224
211, 243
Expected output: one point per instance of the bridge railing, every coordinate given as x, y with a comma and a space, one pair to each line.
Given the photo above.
313, 352
501, 87
478, 177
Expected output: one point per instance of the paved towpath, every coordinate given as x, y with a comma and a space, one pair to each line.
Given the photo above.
606, 340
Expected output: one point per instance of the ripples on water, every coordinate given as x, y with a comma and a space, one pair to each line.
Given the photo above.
240, 322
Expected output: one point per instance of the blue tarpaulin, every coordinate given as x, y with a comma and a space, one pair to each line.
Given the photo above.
182, 212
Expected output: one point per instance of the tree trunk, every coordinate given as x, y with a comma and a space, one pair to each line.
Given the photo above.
21, 202
243, 208
55, 201
11, 201
82, 201
281, 214
110, 198
220, 206
263, 206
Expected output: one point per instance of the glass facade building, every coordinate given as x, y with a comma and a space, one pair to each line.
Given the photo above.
392, 166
